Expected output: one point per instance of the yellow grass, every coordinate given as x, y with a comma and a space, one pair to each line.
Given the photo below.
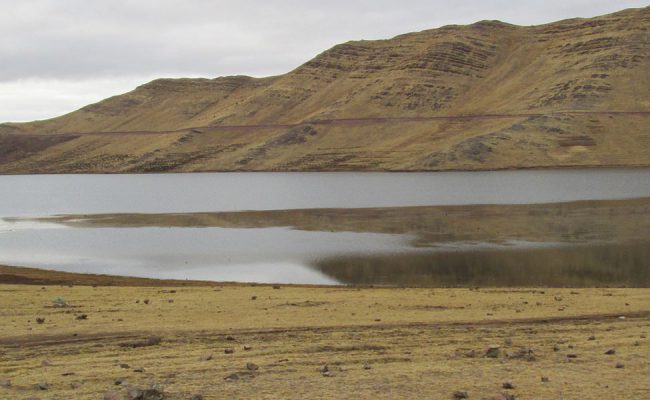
414, 341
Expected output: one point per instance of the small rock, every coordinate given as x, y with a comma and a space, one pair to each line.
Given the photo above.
492, 351
120, 381
81, 317
111, 395
545, 379
324, 369
459, 394
247, 347
610, 352
146, 301
40, 320
42, 386
556, 347
67, 373
253, 297
343, 368
572, 355
637, 343
125, 366
229, 350
75, 385
367, 366
230, 338
508, 342
197, 397
508, 385
620, 365
139, 369
205, 357
170, 300
232, 377
276, 286
252, 367
592, 337
470, 354
153, 340
155, 393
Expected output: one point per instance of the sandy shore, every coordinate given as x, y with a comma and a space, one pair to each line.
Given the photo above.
376, 342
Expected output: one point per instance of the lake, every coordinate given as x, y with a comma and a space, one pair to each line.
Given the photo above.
578, 227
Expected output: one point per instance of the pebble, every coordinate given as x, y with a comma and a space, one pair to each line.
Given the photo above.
610, 352
112, 396
492, 351
42, 386
459, 394
247, 347
620, 365
205, 357
229, 350
252, 367
545, 379
232, 377
147, 394
508, 385
40, 320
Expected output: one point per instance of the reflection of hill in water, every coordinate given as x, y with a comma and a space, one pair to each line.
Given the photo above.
570, 266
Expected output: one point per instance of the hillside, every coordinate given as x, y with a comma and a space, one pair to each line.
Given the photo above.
484, 96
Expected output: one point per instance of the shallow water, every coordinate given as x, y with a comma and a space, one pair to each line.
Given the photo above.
600, 243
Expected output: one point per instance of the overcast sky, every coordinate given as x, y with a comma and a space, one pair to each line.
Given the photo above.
58, 55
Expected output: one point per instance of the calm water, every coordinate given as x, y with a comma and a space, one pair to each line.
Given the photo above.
171, 193
326, 249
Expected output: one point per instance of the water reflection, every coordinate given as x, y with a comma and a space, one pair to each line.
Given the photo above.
566, 266
589, 243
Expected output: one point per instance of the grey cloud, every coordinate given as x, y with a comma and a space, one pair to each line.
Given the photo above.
71, 39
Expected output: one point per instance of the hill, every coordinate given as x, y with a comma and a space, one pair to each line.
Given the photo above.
484, 96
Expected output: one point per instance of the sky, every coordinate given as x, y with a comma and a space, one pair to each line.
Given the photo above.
59, 55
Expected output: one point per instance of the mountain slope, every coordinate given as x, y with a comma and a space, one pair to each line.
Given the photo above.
483, 96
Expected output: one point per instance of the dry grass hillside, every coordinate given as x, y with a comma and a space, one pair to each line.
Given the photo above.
484, 96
